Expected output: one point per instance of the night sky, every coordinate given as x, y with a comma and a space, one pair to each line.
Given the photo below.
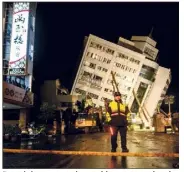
61, 28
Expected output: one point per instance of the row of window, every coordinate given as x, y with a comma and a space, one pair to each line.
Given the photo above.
102, 48
93, 66
79, 91
89, 77
149, 52
104, 98
94, 96
125, 57
124, 67
122, 86
108, 90
90, 65
98, 57
95, 86
124, 77
134, 61
102, 69
122, 56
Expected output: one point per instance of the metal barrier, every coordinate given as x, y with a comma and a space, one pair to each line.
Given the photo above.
58, 152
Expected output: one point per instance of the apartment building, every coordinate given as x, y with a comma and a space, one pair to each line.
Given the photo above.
135, 67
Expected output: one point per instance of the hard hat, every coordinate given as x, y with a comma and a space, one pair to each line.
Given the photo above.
117, 94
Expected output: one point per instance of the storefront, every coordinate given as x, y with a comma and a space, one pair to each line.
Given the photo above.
16, 104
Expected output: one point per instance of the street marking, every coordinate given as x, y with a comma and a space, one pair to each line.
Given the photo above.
58, 152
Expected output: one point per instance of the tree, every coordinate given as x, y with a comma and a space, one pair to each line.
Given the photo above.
47, 112
169, 100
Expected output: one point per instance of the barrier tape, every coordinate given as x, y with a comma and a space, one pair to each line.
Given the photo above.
58, 152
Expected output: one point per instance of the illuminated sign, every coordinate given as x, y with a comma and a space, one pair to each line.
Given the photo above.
17, 71
18, 53
12, 92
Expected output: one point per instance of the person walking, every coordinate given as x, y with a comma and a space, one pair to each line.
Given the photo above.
116, 115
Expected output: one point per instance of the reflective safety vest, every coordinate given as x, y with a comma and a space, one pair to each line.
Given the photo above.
117, 111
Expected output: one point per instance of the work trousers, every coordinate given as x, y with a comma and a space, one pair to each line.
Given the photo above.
123, 134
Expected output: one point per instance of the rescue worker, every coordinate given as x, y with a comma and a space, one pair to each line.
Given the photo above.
117, 118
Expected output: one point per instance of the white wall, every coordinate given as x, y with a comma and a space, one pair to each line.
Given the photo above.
110, 67
157, 89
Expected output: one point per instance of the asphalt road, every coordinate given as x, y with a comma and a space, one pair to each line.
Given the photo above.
137, 142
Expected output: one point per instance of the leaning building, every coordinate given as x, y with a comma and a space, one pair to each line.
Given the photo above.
135, 67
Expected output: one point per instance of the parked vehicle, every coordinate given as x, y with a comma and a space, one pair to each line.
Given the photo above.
87, 122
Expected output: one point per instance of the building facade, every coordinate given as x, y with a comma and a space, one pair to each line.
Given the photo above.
18, 54
134, 65
53, 94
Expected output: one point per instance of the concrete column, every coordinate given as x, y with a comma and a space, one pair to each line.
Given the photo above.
23, 118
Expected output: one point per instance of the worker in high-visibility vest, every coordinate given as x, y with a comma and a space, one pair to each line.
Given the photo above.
116, 116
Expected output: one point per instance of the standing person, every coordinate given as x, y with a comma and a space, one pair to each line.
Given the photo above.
117, 117
67, 117
74, 117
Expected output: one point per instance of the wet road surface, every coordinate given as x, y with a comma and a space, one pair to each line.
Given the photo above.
137, 142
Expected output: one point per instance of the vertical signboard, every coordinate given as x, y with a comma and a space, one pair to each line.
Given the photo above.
18, 53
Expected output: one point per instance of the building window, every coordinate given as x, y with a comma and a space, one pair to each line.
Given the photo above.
118, 65
108, 61
122, 56
104, 70
96, 45
94, 96
86, 76
106, 90
104, 60
149, 52
97, 80
99, 67
134, 61
140, 95
92, 65
122, 67
148, 72
82, 92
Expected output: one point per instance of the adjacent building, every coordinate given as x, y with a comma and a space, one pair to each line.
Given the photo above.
18, 54
54, 94
135, 67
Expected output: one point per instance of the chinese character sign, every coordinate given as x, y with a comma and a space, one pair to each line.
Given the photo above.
19, 37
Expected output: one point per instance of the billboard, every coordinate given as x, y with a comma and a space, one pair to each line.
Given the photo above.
12, 92
18, 53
